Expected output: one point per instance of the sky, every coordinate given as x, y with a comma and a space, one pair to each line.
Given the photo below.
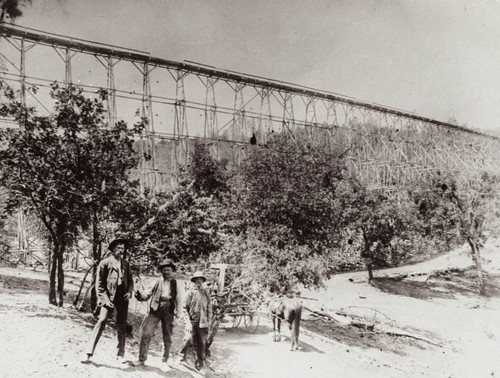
437, 58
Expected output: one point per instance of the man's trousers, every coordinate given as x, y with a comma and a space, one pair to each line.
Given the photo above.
121, 307
198, 340
163, 315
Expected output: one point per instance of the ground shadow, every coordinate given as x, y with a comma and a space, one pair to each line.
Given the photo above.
171, 372
245, 338
125, 368
55, 316
354, 336
128, 368
447, 284
13, 284
261, 330
303, 346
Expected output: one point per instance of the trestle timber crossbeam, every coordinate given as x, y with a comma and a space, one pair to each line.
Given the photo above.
387, 148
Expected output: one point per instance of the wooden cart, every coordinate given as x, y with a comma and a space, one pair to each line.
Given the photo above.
233, 299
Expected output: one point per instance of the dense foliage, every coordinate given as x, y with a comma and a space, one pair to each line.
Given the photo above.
285, 213
11, 9
69, 170
284, 216
462, 210
182, 224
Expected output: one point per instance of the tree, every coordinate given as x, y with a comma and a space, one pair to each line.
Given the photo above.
64, 167
437, 216
7, 234
471, 207
207, 175
108, 155
388, 228
289, 195
12, 8
293, 185
182, 224
263, 266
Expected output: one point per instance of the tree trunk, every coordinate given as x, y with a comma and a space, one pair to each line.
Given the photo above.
50, 257
96, 257
60, 278
82, 284
370, 272
52, 276
476, 258
367, 256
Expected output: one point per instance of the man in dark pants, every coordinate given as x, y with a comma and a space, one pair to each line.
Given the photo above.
199, 310
114, 285
165, 305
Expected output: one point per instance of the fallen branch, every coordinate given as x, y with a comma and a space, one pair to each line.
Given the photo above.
430, 274
371, 325
399, 333
309, 299
375, 312
82, 304
344, 320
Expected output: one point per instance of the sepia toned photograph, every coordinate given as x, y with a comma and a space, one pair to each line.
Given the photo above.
259, 188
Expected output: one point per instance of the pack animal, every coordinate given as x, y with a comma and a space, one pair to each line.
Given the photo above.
289, 309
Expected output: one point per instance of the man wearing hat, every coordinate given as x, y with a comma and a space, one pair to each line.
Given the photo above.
199, 309
114, 286
165, 305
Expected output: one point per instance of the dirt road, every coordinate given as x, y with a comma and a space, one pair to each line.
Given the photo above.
44, 341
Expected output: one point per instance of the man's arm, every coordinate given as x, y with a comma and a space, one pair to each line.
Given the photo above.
130, 280
210, 310
146, 294
187, 305
102, 275
178, 299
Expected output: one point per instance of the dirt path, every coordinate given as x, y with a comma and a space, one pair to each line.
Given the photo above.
466, 325
44, 341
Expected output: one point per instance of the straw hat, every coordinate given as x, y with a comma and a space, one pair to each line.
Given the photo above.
198, 274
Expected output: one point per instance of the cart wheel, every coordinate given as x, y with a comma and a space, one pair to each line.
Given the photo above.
252, 322
236, 320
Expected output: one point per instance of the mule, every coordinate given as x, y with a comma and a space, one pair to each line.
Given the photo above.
289, 309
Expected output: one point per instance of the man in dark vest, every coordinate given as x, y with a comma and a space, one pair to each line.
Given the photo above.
165, 305
114, 286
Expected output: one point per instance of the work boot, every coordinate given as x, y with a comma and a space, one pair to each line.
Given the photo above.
138, 363
86, 358
121, 359
198, 365
181, 357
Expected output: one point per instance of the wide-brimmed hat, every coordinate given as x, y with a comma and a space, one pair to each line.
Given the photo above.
166, 262
198, 274
117, 241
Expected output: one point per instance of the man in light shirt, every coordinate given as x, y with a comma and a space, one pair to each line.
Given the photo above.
165, 305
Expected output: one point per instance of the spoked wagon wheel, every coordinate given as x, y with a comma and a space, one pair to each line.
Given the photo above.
236, 320
252, 321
